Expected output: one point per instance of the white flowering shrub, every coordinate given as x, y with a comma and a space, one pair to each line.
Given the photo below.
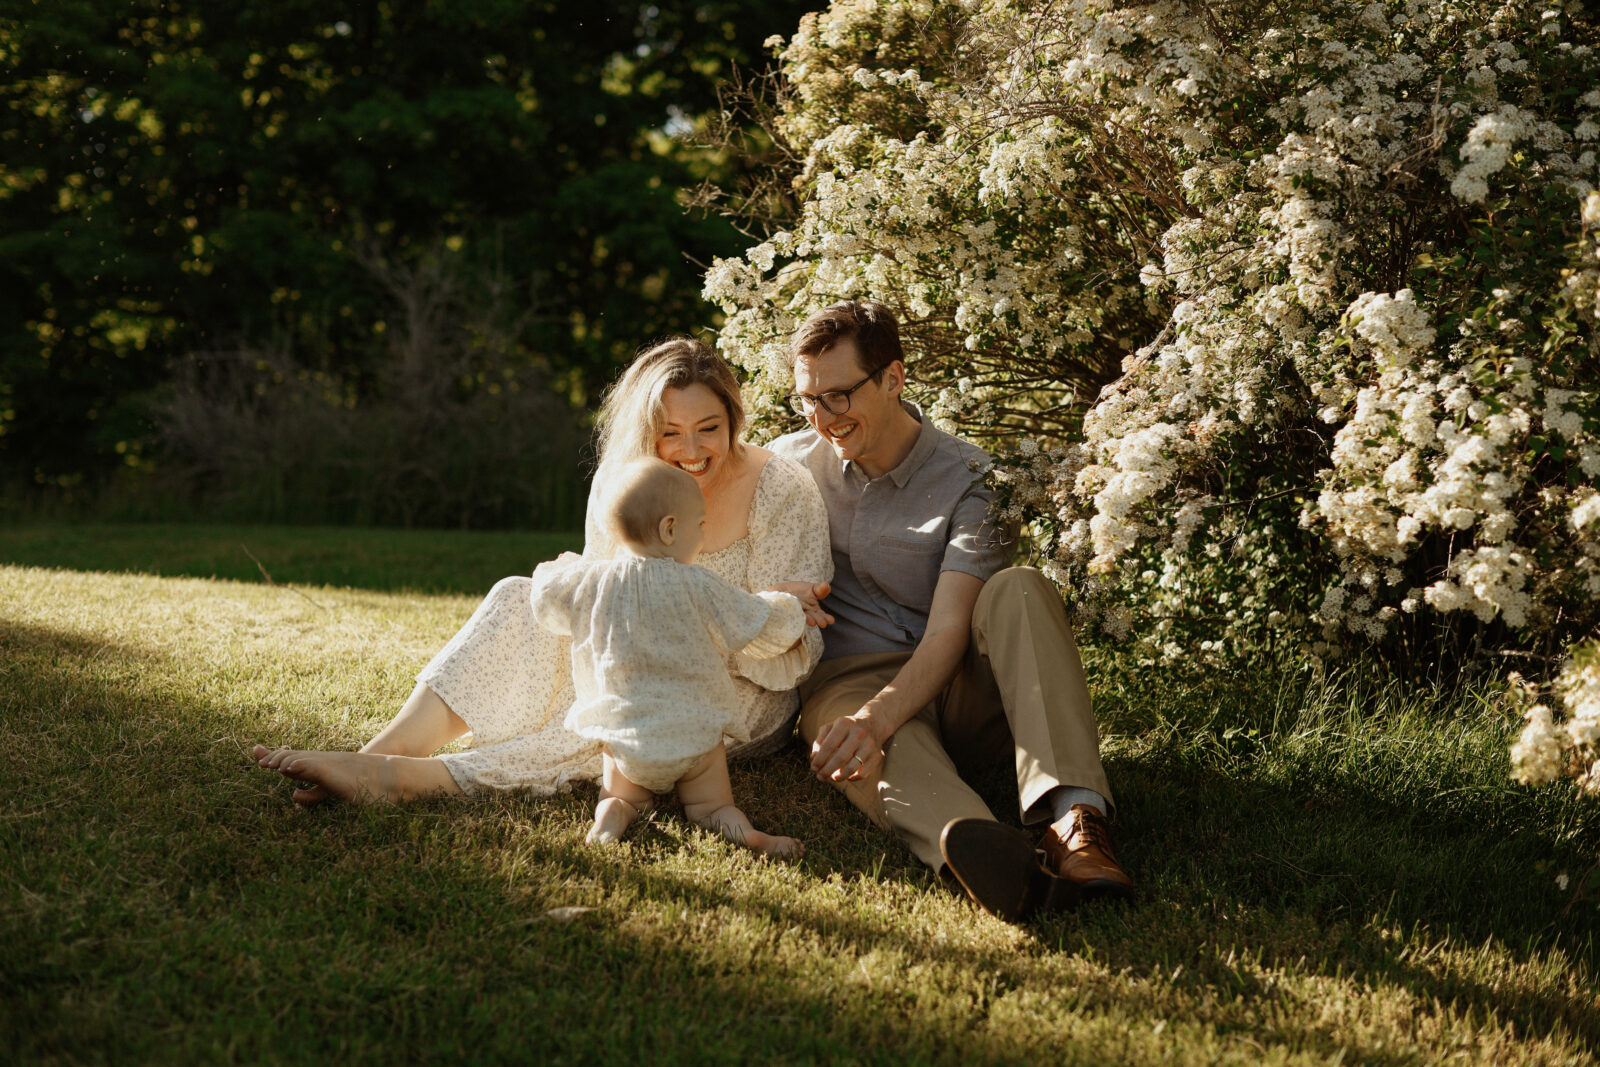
1281, 331
1548, 750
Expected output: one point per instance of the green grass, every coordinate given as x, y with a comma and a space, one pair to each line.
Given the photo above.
1329, 872
424, 561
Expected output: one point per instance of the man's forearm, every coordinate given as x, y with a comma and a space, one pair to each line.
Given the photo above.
852, 747
930, 668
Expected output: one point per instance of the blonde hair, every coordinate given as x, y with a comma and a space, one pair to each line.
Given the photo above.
642, 493
632, 412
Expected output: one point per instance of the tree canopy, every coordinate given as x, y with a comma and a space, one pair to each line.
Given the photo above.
184, 175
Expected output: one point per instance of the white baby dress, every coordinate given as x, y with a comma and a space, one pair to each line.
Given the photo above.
649, 642
510, 679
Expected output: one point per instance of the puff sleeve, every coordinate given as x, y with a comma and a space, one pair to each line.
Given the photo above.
789, 543
555, 585
760, 625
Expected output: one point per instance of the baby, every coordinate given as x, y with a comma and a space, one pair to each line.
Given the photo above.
649, 637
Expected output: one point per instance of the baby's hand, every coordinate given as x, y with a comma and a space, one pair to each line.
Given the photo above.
810, 597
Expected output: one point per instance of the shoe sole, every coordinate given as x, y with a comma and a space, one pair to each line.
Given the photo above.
1106, 889
999, 868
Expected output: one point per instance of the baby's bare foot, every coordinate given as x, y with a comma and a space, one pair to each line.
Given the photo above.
779, 848
612, 817
309, 796
734, 825
353, 776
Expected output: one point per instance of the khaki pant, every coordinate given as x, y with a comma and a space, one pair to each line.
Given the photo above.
1020, 690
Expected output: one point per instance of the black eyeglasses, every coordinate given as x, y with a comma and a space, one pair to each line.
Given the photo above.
834, 401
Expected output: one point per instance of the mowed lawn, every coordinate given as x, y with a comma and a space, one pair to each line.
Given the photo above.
1330, 871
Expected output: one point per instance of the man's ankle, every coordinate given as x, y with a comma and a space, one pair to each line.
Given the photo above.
1063, 798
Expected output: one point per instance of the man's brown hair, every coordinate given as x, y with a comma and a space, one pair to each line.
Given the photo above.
870, 325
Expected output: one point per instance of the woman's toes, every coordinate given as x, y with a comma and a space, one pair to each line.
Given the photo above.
315, 794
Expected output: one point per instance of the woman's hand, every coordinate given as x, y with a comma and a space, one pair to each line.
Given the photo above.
810, 597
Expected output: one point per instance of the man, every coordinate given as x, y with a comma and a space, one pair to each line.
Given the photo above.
940, 657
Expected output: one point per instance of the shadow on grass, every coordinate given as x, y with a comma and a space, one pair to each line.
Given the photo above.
43, 648
1353, 884
164, 900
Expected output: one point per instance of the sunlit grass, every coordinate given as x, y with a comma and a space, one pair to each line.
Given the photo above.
1336, 870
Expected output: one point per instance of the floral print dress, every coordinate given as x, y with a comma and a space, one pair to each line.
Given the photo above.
510, 679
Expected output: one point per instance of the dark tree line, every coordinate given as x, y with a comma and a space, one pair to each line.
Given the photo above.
191, 185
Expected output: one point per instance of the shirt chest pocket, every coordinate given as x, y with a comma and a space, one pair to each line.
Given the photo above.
908, 568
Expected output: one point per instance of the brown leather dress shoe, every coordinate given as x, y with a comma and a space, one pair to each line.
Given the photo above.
999, 868
1077, 849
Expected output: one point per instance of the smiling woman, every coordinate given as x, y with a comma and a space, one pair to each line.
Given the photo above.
694, 431
508, 681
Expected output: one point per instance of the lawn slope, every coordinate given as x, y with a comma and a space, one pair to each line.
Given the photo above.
1328, 872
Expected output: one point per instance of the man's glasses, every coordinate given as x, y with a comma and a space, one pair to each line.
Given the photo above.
834, 401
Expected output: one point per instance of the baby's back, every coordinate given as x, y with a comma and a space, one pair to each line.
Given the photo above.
644, 644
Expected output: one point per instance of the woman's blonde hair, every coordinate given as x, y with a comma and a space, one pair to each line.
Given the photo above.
632, 413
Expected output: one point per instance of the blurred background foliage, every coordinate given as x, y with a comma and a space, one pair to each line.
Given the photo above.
367, 262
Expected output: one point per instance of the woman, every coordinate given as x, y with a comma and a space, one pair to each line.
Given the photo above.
508, 682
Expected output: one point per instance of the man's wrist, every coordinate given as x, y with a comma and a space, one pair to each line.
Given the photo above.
878, 723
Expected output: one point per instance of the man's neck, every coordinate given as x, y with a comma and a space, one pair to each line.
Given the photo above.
898, 442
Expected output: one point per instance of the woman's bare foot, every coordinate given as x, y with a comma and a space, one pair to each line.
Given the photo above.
346, 775
423, 725
306, 795
612, 817
309, 795
735, 826
359, 776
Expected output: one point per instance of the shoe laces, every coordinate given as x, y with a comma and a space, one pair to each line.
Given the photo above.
1090, 830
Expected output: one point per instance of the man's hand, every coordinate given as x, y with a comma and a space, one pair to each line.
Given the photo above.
851, 748
848, 749
810, 597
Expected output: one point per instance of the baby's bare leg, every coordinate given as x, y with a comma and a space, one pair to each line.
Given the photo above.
621, 801
707, 799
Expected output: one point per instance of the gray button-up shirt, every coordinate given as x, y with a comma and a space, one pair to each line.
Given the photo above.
893, 536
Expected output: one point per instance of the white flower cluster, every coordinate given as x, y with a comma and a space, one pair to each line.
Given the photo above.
1395, 327
1548, 750
1278, 331
1487, 148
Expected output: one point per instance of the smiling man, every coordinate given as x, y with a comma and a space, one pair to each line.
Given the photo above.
941, 658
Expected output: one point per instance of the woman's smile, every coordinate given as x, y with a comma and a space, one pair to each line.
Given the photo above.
694, 432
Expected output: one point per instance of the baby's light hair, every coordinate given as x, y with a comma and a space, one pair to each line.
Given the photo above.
641, 494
